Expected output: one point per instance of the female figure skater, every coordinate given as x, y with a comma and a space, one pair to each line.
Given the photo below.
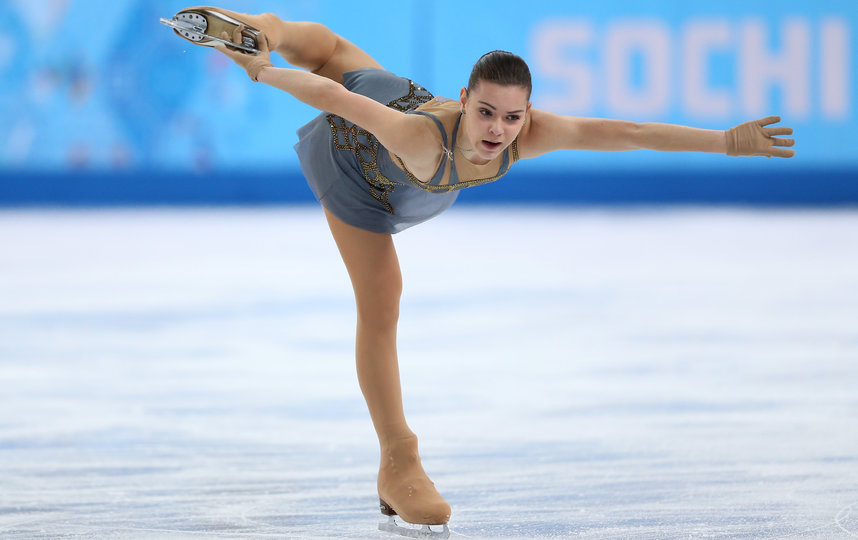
385, 155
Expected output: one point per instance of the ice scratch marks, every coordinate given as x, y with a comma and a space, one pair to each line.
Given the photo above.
845, 520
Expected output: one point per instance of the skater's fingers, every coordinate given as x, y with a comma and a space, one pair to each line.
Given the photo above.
782, 152
778, 131
262, 43
783, 142
226, 49
236, 34
769, 120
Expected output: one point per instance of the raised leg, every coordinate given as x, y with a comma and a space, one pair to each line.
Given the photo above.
373, 267
308, 45
316, 48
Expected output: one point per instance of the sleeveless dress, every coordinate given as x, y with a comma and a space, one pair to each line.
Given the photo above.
354, 177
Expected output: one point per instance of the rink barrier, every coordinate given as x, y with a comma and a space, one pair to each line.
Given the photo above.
799, 187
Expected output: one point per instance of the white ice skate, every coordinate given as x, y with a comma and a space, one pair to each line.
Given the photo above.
204, 26
410, 530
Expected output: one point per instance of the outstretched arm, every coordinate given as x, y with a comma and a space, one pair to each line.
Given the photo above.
548, 132
403, 134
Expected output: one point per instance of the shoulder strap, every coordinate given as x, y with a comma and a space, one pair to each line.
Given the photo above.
454, 174
445, 159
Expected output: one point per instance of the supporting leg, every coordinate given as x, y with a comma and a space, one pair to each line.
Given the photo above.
373, 267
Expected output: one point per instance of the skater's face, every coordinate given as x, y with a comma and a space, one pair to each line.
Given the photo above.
493, 117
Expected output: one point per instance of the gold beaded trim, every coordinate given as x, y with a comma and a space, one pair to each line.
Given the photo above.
417, 95
365, 145
463, 183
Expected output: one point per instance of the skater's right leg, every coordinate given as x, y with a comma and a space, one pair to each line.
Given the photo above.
373, 267
316, 48
308, 45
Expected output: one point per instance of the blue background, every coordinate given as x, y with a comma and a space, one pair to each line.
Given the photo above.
101, 104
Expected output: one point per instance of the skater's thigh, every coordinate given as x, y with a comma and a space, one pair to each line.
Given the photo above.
346, 57
373, 267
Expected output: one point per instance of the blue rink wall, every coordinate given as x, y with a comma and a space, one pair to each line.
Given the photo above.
128, 113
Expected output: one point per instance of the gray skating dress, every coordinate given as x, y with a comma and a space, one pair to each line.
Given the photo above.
360, 182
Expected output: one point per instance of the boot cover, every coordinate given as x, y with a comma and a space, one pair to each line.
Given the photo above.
205, 25
405, 490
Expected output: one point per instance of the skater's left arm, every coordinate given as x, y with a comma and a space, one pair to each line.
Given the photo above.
548, 132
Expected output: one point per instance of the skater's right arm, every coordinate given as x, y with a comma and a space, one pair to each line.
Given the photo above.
411, 137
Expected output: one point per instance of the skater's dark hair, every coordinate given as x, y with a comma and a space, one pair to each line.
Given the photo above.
501, 67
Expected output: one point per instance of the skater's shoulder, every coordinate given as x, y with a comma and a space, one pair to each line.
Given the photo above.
443, 110
441, 107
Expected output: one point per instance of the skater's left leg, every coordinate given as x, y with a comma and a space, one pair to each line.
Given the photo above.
373, 267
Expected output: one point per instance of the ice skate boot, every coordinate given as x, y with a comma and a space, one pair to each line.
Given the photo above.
205, 25
405, 491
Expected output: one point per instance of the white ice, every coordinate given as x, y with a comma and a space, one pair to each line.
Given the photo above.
572, 373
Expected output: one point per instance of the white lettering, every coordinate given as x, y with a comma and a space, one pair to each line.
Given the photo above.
650, 40
792, 68
834, 69
789, 70
700, 38
552, 42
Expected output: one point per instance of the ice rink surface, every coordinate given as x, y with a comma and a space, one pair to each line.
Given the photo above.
571, 373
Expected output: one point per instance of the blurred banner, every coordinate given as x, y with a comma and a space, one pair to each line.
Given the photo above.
97, 90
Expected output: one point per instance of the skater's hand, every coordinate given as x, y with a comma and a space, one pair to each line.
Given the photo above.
755, 139
252, 63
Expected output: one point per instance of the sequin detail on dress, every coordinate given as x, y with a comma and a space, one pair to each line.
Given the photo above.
347, 136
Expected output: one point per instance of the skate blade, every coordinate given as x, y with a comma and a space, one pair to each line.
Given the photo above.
414, 531
193, 28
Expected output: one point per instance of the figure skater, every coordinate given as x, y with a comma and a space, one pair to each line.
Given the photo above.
386, 154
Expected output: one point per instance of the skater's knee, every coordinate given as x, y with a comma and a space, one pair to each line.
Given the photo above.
380, 309
310, 45
379, 320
